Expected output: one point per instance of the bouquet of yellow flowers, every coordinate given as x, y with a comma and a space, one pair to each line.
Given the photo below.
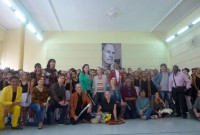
106, 117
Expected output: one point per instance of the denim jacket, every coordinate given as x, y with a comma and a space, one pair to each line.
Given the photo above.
157, 79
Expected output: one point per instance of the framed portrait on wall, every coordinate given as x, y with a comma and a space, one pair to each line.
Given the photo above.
111, 53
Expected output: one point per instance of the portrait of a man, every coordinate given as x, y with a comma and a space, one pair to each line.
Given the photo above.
111, 53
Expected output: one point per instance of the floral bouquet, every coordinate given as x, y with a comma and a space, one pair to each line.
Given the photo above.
105, 117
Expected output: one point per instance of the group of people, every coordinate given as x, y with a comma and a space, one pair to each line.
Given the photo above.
49, 96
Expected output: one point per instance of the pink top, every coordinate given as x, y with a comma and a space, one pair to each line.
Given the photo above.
181, 80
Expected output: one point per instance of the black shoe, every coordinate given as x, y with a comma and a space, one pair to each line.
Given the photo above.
184, 117
17, 128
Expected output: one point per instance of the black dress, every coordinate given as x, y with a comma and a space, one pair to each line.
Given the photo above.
144, 86
24, 87
153, 88
73, 85
136, 82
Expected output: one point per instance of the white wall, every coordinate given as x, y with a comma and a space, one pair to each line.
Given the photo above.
184, 51
73, 49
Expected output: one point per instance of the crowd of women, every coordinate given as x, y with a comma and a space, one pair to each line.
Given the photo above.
49, 96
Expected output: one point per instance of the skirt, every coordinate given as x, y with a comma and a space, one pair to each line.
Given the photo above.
23, 100
137, 90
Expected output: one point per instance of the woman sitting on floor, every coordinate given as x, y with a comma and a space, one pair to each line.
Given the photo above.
107, 105
158, 107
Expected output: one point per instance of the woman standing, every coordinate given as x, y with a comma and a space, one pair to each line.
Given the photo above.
68, 82
145, 84
136, 82
50, 73
25, 101
86, 79
197, 80
189, 91
74, 80
152, 85
39, 101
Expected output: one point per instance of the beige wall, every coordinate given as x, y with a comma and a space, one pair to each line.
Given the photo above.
184, 51
73, 49
10, 49
2, 36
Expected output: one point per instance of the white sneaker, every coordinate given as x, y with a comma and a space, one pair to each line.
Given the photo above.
143, 117
154, 116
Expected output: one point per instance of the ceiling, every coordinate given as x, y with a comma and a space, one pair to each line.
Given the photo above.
90, 15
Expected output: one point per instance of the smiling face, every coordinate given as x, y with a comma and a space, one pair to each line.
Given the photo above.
41, 81
14, 82
108, 54
157, 96
86, 69
78, 88
61, 79
107, 95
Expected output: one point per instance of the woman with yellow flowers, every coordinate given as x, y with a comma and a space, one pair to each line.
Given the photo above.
107, 110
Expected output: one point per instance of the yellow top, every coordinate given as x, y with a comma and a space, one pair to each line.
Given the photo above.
7, 94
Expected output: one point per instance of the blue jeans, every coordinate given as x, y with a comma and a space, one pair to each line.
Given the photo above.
35, 107
147, 113
50, 113
165, 95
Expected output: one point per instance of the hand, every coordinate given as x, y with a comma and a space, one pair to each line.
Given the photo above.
75, 118
185, 90
66, 103
197, 114
99, 113
26, 100
160, 87
15, 103
159, 115
89, 110
141, 113
123, 103
144, 109
61, 103
45, 104
7, 108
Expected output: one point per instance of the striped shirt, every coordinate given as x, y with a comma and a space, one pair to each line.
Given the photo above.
142, 103
100, 85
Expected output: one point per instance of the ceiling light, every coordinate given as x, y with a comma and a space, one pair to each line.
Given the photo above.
20, 16
112, 12
31, 28
39, 37
8, 3
170, 38
196, 21
183, 30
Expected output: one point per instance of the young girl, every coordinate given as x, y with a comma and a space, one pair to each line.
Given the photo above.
25, 101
